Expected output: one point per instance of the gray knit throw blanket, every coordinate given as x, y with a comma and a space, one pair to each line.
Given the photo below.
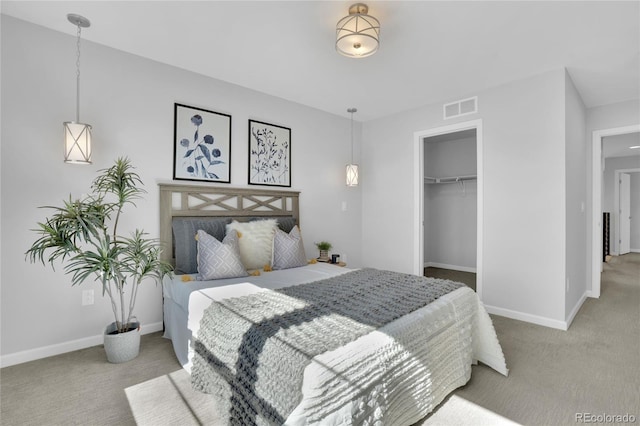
251, 351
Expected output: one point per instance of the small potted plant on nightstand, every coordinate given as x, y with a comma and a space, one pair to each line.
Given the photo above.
324, 248
84, 233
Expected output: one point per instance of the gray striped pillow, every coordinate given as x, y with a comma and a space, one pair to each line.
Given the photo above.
217, 259
288, 250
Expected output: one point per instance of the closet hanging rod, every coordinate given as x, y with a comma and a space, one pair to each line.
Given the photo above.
449, 179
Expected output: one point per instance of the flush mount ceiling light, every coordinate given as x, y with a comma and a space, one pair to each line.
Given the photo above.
352, 169
77, 136
357, 35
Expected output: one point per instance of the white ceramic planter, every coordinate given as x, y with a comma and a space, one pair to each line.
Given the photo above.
122, 347
324, 256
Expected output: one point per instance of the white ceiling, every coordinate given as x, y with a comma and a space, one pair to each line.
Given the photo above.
619, 145
429, 51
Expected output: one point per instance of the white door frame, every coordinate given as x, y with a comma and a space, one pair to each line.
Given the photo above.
597, 167
616, 202
418, 222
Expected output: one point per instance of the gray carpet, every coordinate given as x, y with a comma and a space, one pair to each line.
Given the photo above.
592, 368
81, 387
468, 278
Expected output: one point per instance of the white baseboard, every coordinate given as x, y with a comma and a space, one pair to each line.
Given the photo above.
632, 250
589, 293
446, 266
521, 316
61, 348
575, 309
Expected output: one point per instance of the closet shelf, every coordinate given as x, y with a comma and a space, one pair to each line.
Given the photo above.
449, 179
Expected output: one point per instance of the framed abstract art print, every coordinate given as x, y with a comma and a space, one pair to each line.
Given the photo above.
202, 145
269, 154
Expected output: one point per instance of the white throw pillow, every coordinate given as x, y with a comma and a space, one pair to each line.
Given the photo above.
217, 259
288, 250
256, 241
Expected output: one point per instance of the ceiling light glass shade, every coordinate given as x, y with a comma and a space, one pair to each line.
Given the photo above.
352, 175
357, 35
77, 143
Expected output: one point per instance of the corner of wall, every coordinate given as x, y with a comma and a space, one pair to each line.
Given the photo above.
576, 185
576, 308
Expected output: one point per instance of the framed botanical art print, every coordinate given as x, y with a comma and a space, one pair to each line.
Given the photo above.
202, 145
269, 154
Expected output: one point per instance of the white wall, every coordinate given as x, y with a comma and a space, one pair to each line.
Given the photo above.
129, 101
576, 147
524, 194
450, 210
610, 203
611, 116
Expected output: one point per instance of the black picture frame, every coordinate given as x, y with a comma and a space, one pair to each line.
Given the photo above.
201, 145
269, 154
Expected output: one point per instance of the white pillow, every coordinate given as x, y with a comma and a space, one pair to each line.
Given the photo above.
256, 241
288, 250
217, 259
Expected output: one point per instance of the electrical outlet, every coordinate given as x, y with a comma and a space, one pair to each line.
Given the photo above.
87, 297
568, 286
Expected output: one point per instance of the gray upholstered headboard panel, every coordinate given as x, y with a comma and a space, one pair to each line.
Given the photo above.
185, 247
186, 208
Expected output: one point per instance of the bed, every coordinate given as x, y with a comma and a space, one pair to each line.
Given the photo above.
354, 371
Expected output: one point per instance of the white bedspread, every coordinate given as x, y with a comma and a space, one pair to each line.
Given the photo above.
184, 302
401, 371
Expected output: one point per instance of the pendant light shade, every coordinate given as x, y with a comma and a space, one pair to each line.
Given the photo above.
357, 35
77, 136
352, 175
77, 143
352, 169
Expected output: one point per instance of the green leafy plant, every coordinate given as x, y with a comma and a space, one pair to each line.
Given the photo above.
324, 245
84, 232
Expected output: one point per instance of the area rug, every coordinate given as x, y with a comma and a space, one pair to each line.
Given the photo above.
170, 400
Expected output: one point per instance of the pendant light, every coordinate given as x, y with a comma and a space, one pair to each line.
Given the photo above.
357, 35
77, 136
352, 169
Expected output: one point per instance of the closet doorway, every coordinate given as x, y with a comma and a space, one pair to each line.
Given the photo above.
450, 206
449, 241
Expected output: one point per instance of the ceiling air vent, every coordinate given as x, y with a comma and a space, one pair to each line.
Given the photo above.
461, 107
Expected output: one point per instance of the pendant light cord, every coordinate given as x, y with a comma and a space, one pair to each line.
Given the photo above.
78, 77
351, 111
351, 137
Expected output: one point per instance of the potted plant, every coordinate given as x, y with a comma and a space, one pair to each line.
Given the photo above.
324, 248
84, 233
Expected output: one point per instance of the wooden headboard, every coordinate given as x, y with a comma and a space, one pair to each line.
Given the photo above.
220, 201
